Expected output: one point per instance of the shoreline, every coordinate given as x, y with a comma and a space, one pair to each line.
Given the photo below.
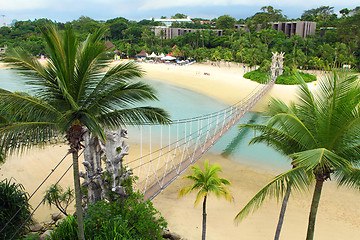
225, 83
336, 218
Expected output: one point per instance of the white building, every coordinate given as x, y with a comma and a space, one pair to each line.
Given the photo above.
169, 21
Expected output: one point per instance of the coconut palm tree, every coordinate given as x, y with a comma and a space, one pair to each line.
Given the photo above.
71, 94
322, 134
283, 142
206, 182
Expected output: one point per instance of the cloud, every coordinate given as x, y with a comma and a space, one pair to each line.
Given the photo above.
142, 5
164, 4
67, 10
24, 5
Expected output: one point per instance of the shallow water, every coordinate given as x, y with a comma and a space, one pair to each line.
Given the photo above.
183, 103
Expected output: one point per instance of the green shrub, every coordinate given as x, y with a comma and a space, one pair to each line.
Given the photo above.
66, 230
143, 219
287, 78
12, 197
31, 236
131, 219
257, 76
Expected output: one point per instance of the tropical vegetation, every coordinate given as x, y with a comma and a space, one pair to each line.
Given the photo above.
334, 44
206, 182
71, 95
319, 133
287, 78
14, 206
131, 219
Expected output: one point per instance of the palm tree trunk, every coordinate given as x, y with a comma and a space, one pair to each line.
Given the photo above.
314, 208
282, 212
204, 219
79, 212
75, 136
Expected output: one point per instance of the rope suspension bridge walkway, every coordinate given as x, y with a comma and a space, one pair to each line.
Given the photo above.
188, 139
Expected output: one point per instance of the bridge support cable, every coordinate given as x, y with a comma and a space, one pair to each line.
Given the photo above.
42, 183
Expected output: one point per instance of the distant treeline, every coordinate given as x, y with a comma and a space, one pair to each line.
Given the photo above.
335, 43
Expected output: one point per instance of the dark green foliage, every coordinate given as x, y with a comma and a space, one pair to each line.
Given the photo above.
31, 236
292, 80
225, 22
257, 76
285, 79
265, 66
131, 219
143, 219
12, 197
131, 37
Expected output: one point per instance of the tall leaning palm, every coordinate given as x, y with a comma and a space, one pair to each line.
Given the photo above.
71, 94
322, 134
206, 182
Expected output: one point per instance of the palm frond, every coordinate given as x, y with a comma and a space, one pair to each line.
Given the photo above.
274, 138
19, 136
114, 78
134, 116
23, 107
276, 188
348, 177
319, 159
293, 126
123, 95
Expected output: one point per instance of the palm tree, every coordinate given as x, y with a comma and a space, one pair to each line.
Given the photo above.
322, 134
206, 182
71, 94
283, 143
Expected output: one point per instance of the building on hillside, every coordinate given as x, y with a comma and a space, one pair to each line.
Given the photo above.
169, 21
240, 26
169, 33
301, 28
207, 22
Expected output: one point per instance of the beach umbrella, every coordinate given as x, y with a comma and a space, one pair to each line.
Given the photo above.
168, 58
152, 55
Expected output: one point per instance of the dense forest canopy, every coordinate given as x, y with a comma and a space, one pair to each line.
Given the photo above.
335, 43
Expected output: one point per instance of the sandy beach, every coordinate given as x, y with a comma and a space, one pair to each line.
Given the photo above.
339, 208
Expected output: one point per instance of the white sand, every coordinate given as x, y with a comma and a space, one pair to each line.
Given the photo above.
338, 212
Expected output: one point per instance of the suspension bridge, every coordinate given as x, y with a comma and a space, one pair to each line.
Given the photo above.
167, 151
182, 143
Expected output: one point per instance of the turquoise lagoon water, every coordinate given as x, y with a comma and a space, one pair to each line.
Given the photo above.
183, 103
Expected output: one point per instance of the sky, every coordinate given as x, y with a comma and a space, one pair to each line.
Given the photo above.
68, 10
